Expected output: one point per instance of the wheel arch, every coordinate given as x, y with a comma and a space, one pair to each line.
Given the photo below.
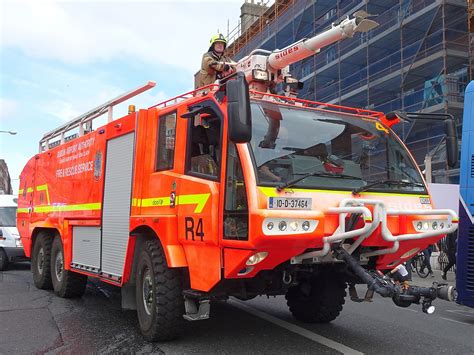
175, 256
53, 232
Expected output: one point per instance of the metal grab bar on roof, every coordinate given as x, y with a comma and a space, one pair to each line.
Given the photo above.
86, 118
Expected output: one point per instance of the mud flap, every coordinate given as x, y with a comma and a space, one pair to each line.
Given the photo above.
128, 297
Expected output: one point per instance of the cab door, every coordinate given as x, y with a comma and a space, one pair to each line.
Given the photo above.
197, 199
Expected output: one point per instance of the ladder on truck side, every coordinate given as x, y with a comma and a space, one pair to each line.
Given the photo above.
84, 121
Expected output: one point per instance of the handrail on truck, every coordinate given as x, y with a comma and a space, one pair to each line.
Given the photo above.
89, 116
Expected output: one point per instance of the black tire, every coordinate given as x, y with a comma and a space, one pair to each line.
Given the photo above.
317, 301
421, 268
159, 295
3, 260
41, 262
66, 283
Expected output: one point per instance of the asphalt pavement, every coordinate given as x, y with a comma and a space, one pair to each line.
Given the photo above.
36, 321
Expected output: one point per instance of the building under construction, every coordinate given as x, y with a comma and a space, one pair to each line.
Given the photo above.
416, 60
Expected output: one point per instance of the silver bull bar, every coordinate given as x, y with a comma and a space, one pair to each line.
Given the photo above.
371, 223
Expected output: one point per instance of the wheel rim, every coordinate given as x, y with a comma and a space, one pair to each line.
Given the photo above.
58, 266
40, 262
147, 291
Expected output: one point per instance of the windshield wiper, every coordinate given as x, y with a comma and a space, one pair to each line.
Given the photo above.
386, 182
316, 173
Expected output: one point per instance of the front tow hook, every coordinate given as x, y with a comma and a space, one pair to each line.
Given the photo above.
402, 294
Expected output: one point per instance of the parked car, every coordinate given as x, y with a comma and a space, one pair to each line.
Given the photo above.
11, 248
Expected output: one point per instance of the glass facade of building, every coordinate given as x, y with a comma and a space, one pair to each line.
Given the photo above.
416, 60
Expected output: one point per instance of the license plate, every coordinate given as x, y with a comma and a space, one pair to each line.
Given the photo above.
289, 203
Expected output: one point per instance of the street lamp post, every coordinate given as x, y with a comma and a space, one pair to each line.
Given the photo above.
9, 132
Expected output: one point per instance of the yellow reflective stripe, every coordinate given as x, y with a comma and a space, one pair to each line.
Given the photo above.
199, 200
44, 188
20, 191
68, 208
29, 189
22, 210
272, 192
155, 202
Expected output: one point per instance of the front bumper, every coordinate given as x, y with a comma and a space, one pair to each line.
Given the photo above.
377, 219
15, 253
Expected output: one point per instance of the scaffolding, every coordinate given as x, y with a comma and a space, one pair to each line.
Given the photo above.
240, 41
417, 60
470, 26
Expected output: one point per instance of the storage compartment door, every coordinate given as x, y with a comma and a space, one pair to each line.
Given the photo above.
86, 248
116, 207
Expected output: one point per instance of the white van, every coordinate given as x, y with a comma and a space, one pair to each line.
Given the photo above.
11, 248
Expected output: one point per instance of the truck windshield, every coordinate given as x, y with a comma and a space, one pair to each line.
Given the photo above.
7, 216
329, 150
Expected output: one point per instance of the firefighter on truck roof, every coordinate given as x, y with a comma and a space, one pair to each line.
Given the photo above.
215, 63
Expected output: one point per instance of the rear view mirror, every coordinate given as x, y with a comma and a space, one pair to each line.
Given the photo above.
238, 109
451, 142
452, 149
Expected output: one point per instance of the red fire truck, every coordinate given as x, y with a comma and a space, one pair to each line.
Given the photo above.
230, 191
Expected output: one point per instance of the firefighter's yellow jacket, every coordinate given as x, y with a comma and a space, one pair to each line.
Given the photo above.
211, 66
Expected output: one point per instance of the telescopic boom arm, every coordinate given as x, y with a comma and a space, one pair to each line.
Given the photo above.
263, 68
307, 47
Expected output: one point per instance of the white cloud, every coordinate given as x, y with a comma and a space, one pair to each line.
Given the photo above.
150, 98
172, 33
24, 83
87, 92
8, 108
65, 94
61, 109
72, 94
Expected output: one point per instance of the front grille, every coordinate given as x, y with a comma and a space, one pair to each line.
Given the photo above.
470, 260
472, 166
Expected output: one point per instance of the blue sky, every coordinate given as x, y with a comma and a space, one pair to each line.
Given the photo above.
58, 59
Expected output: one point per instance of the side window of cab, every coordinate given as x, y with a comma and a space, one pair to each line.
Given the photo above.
166, 142
205, 143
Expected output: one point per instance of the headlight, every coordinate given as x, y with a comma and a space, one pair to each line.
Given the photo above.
294, 225
305, 225
288, 226
431, 225
256, 258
